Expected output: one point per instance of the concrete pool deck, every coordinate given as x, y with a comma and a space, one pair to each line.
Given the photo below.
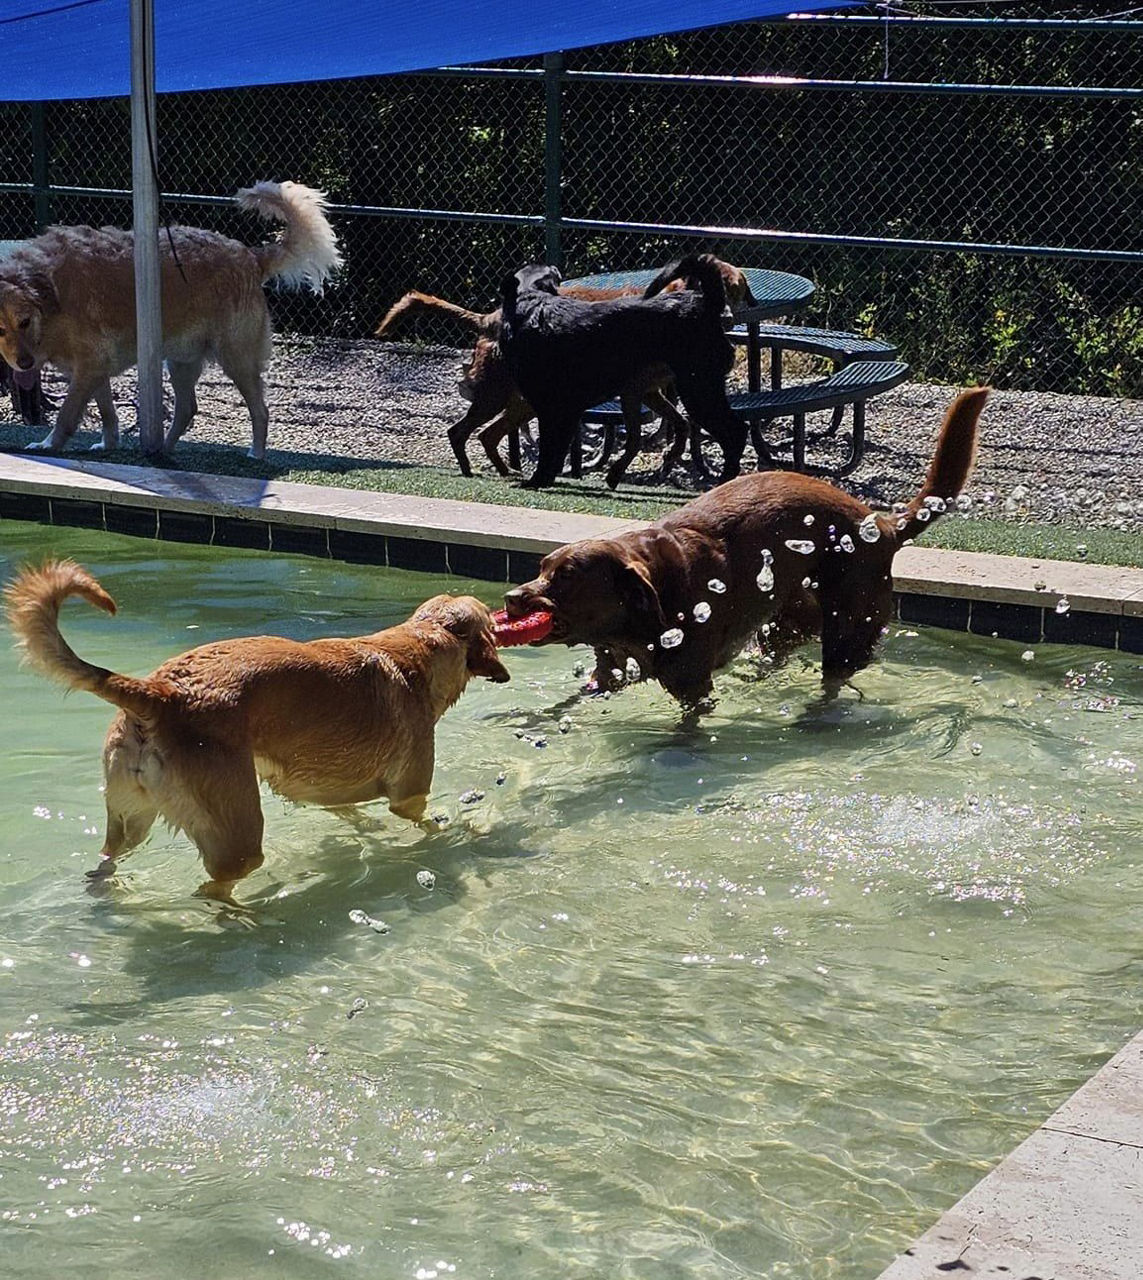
1067, 1204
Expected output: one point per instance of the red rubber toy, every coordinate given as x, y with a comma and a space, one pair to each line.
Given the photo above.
525, 630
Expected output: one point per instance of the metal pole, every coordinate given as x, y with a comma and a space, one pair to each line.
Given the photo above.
41, 173
553, 200
145, 207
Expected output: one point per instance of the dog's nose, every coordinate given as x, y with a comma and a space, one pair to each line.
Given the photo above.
516, 602
24, 361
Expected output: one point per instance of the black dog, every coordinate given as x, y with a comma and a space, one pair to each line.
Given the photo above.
567, 355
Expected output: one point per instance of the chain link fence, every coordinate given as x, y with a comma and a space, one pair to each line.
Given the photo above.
971, 188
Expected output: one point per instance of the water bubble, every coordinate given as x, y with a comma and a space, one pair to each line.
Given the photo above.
671, 639
976, 748
361, 917
765, 578
702, 611
426, 879
964, 502
471, 796
869, 530
578, 669
846, 543
565, 724
1081, 550
806, 581
924, 514
1029, 655
936, 504
356, 1007
803, 546
616, 675
767, 556
717, 586
501, 778
1063, 604
633, 670
807, 519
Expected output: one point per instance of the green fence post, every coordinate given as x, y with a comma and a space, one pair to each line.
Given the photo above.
553, 203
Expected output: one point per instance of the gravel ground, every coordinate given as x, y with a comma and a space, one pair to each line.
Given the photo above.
1044, 457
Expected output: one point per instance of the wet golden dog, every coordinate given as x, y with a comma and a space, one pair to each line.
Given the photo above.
68, 298
331, 722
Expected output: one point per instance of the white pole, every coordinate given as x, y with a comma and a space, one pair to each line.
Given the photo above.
148, 313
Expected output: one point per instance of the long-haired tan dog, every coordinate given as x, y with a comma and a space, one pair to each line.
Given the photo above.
68, 298
331, 722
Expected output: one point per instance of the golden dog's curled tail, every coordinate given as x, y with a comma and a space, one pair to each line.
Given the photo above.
32, 603
307, 253
950, 468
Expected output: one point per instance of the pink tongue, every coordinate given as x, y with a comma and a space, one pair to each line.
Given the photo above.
26, 379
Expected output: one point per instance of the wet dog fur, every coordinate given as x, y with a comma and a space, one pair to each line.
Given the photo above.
334, 722
798, 559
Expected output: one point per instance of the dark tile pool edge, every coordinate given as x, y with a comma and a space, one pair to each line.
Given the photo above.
361, 538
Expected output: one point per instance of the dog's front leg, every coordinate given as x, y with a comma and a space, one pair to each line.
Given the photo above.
79, 395
105, 403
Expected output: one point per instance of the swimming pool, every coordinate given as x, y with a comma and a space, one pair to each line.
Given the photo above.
756, 1000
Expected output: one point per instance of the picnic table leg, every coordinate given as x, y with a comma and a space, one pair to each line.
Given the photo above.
799, 442
575, 454
753, 356
775, 369
857, 449
514, 449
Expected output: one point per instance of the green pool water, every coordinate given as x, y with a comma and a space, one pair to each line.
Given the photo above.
758, 1000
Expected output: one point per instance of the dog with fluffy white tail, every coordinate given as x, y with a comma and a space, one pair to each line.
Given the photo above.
67, 298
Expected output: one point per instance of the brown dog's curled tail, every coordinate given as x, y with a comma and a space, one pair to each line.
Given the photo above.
32, 603
307, 253
950, 468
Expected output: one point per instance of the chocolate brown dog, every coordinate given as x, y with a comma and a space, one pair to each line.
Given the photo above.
331, 722
777, 555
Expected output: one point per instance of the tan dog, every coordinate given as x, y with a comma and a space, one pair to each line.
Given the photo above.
777, 556
68, 298
330, 722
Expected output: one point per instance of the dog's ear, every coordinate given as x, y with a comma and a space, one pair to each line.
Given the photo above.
43, 292
469, 620
484, 660
639, 596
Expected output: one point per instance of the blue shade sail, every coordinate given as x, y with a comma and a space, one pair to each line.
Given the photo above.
60, 49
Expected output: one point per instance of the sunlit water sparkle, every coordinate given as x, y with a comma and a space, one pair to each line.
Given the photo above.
755, 999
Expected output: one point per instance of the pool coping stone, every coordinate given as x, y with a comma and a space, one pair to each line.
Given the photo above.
1066, 1204
1008, 596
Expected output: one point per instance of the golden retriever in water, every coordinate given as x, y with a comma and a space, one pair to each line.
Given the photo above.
332, 722
68, 298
